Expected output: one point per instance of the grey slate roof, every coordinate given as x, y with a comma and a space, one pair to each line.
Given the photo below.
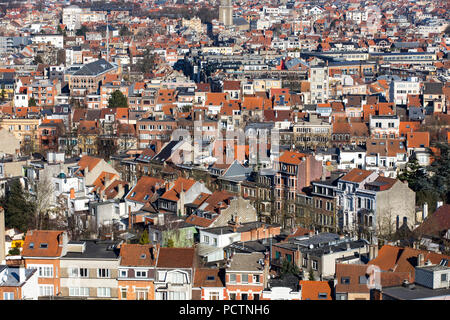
94, 68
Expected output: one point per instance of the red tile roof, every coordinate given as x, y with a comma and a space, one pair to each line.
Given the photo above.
138, 255
311, 289
52, 238
176, 258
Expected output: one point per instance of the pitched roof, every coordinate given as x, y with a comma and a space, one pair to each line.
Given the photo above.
42, 243
311, 289
356, 175
180, 184
146, 186
353, 272
208, 278
436, 223
94, 68
138, 255
88, 162
176, 258
403, 259
291, 157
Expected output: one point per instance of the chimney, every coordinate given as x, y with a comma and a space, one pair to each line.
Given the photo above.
22, 277
425, 211
420, 260
130, 221
2, 235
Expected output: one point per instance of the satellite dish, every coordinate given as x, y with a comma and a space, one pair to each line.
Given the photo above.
311, 246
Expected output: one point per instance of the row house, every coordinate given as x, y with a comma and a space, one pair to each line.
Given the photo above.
137, 271
89, 270
294, 171
150, 129
384, 126
386, 155
42, 250
44, 92
18, 283
318, 253
370, 204
246, 276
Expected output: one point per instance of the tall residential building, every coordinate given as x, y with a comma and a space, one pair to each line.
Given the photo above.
226, 12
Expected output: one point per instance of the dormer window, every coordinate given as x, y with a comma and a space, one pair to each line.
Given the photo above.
44, 245
31, 246
143, 256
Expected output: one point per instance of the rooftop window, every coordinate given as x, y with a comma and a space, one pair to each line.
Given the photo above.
43, 246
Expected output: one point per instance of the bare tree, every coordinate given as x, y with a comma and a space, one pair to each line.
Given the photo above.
44, 194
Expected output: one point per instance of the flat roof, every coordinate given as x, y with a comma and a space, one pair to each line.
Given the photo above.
418, 292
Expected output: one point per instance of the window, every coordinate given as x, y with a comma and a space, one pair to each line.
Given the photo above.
443, 277
44, 271
123, 273
45, 290
232, 296
314, 264
244, 278
141, 294
256, 278
141, 274
206, 239
104, 292
8, 295
178, 278
323, 295
213, 296
161, 276
362, 280
103, 273
345, 280
174, 295
232, 278
123, 293
244, 296
256, 296
44, 245
79, 292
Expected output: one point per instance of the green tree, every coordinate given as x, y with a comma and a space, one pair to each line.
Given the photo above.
32, 102
144, 238
14, 251
288, 267
311, 276
170, 243
82, 31
117, 100
19, 209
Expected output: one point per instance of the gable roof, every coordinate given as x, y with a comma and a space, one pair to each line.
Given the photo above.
176, 258
35, 238
138, 255
356, 175
311, 289
403, 259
